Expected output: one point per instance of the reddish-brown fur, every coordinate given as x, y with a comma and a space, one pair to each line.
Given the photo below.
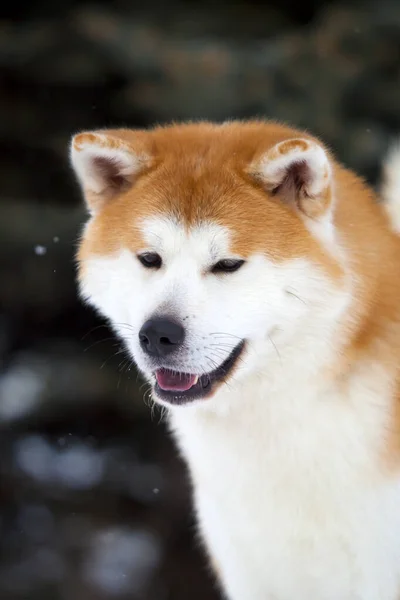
205, 172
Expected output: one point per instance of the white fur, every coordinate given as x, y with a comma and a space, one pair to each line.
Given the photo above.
273, 169
262, 302
289, 495
275, 164
288, 485
82, 156
391, 186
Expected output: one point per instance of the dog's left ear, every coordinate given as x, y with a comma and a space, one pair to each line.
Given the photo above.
299, 172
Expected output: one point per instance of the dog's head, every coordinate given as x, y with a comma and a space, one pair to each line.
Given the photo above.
210, 248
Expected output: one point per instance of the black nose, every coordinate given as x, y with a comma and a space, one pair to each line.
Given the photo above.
159, 337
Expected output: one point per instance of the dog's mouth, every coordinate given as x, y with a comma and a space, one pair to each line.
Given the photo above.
176, 387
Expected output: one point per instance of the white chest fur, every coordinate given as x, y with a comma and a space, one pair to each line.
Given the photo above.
290, 494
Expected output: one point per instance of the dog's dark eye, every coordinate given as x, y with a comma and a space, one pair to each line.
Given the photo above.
228, 265
150, 260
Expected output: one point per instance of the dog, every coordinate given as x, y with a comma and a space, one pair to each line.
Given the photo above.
255, 283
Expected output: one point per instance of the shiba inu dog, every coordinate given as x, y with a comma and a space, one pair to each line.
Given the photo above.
256, 284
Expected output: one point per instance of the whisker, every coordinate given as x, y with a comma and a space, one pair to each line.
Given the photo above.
239, 358
224, 381
147, 399
123, 365
211, 363
97, 342
163, 413
106, 326
276, 349
222, 333
222, 345
124, 325
295, 296
144, 384
120, 351
150, 233
94, 329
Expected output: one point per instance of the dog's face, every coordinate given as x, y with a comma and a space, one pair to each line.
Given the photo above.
209, 248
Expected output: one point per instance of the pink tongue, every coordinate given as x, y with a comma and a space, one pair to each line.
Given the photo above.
173, 381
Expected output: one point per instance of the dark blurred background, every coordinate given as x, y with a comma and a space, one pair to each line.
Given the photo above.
94, 502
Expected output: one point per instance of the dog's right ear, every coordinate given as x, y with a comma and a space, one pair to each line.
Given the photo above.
106, 164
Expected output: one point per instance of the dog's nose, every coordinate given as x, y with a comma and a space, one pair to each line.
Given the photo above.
159, 337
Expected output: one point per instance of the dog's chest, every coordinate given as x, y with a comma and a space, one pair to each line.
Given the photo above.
295, 507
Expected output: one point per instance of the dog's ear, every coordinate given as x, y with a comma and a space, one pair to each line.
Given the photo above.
299, 172
106, 164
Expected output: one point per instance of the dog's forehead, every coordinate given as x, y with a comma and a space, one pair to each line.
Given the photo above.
204, 240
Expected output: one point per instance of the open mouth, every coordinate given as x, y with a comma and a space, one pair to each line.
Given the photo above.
178, 388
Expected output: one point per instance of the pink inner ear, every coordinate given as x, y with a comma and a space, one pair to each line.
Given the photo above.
109, 170
296, 177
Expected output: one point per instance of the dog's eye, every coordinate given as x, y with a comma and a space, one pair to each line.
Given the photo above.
228, 265
150, 260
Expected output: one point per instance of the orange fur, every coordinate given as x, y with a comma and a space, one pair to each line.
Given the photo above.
205, 172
